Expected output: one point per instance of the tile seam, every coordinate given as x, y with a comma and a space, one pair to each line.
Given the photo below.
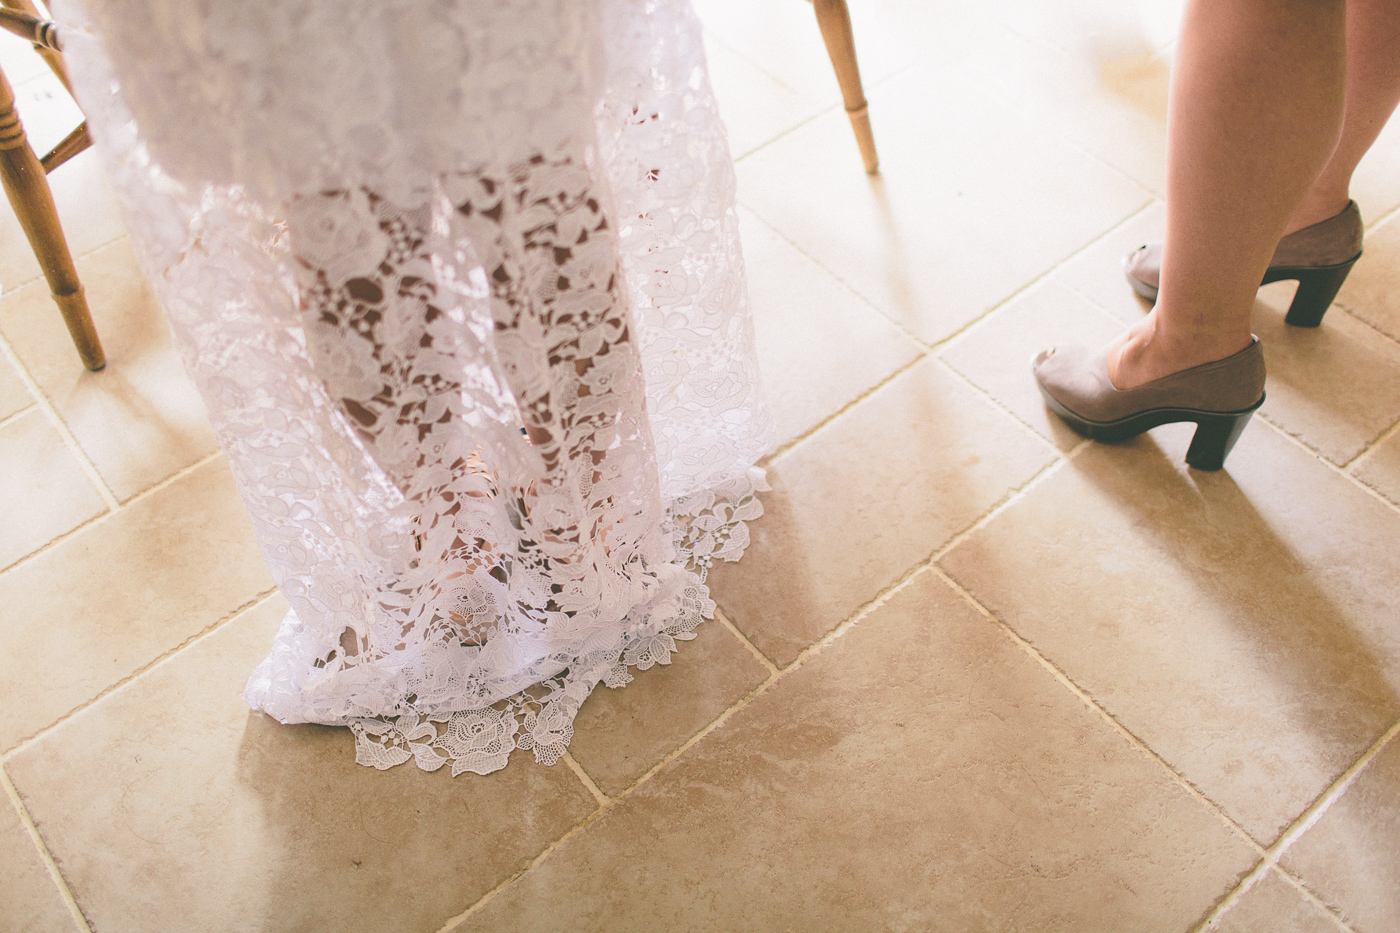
1102, 713
1353, 480
1300, 825
148, 667
1380, 440
51, 866
996, 403
25, 283
602, 799
723, 618
845, 407
810, 651
51, 415
9, 419
1337, 919
106, 516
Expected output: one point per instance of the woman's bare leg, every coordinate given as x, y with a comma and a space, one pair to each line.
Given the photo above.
1256, 112
1373, 90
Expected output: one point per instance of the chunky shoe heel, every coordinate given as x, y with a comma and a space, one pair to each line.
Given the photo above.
1317, 287
1215, 437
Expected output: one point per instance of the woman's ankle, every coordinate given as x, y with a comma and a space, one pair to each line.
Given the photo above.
1145, 353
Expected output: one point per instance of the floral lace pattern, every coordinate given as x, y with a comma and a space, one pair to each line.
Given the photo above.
468, 316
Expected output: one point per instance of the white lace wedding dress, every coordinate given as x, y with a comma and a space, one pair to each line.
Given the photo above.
460, 284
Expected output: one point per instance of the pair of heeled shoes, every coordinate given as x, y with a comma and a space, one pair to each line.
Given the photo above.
1220, 397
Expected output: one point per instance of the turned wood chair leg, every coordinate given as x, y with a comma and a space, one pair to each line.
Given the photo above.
834, 20
28, 190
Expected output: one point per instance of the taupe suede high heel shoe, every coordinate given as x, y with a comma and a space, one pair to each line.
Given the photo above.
1317, 257
1219, 397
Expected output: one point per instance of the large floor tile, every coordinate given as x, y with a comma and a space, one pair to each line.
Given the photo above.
1242, 623
1110, 99
621, 734
1372, 290
179, 809
1275, 906
819, 345
756, 109
109, 600
1380, 469
1351, 857
1335, 387
14, 397
864, 500
969, 206
43, 490
996, 353
920, 773
140, 419
29, 899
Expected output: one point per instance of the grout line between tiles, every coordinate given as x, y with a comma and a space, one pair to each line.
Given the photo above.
852, 403
1089, 701
1011, 498
1305, 821
140, 672
1384, 436
1313, 899
121, 507
1329, 464
45, 856
9, 419
724, 620
57, 423
39, 276
811, 650
992, 400
603, 799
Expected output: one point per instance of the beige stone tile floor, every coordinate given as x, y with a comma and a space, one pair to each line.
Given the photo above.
974, 672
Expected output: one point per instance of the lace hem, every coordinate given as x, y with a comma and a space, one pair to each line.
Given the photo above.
705, 527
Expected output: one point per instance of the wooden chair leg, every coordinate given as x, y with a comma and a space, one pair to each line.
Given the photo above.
834, 20
29, 194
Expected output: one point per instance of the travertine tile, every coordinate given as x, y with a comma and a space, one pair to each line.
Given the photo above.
179, 809
996, 353
1110, 98
756, 109
87, 205
14, 397
969, 207
865, 499
1372, 290
1335, 387
1241, 623
1275, 906
620, 734
919, 773
117, 595
140, 419
819, 345
29, 900
1380, 469
1351, 857
43, 490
